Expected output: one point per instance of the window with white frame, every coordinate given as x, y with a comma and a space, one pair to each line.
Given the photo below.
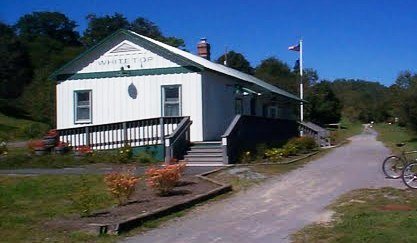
171, 100
82, 106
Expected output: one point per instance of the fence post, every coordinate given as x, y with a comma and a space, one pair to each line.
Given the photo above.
162, 127
124, 133
87, 136
225, 154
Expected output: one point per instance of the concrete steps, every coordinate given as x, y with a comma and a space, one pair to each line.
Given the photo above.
207, 153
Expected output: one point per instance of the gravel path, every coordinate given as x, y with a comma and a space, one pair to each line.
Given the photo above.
93, 169
273, 210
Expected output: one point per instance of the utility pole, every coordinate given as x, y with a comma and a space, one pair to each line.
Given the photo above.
301, 81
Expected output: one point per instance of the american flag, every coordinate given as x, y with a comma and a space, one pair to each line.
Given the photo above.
294, 48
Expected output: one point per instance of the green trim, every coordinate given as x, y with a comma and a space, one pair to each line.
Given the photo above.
157, 151
128, 73
137, 40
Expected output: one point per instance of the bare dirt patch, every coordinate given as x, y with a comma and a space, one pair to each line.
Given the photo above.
396, 207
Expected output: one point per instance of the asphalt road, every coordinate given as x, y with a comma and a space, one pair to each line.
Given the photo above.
273, 210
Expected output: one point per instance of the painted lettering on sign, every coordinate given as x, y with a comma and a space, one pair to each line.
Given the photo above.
125, 61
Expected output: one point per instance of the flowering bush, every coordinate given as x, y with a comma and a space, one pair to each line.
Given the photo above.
61, 144
125, 154
36, 145
52, 133
61, 147
163, 180
83, 150
274, 154
121, 185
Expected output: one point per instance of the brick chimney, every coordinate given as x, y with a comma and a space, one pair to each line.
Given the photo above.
203, 48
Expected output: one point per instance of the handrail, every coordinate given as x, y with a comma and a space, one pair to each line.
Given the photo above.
181, 128
226, 144
321, 135
232, 126
173, 145
115, 123
150, 131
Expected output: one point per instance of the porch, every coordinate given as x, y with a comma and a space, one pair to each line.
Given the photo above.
170, 136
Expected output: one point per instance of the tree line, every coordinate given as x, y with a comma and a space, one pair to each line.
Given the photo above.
40, 42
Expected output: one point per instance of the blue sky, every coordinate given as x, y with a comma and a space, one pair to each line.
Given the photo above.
369, 39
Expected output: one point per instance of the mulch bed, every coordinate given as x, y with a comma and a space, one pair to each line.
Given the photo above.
143, 201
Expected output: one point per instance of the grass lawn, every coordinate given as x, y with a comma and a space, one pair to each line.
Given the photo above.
368, 215
348, 129
20, 129
26, 203
393, 134
19, 158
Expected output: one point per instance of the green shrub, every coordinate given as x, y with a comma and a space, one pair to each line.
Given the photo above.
302, 144
274, 154
246, 157
125, 154
145, 158
261, 149
101, 157
289, 150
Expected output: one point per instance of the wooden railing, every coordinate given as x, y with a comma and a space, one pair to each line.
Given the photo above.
321, 135
245, 132
177, 143
115, 135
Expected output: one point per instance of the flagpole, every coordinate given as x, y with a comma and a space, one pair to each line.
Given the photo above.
301, 81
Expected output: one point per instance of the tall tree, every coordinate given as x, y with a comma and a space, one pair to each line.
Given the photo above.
362, 100
53, 25
148, 28
101, 27
404, 99
277, 73
323, 107
15, 70
237, 61
51, 41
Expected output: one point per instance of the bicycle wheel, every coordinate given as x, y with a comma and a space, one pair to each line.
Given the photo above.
409, 175
393, 167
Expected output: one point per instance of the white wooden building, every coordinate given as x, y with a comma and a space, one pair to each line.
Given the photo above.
129, 78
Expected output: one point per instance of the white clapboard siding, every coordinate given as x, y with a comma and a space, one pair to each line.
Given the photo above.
111, 102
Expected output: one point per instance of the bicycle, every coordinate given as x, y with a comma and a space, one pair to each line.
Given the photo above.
409, 175
394, 165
